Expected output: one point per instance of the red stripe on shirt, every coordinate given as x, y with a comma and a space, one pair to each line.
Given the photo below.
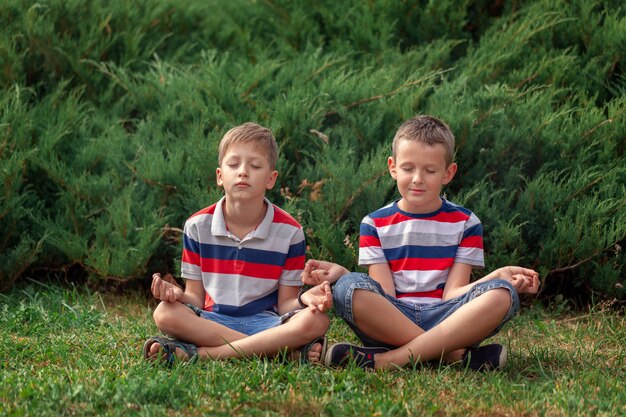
250, 269
191, 257
450, 217
206, 210
208, 303
368, 241
389, 220
429, 294
472, 242
420, 264
281, 216
294, 263
443, 217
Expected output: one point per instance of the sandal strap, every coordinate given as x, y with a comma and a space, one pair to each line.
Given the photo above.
169, 347
304, 350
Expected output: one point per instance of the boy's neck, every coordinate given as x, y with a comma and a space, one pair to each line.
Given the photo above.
425, 209
243, 217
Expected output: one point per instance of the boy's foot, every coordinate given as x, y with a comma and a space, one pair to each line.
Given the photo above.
169, 350
485, 358
312, 352
340, 354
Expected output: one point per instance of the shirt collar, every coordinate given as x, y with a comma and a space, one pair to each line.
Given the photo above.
218, 224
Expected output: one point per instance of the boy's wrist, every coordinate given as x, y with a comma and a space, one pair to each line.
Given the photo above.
303, 289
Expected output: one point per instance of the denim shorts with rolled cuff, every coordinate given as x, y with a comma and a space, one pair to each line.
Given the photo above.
426, 316
248, 325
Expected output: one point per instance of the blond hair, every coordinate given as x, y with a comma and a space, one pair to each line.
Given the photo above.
428, 130
250, 133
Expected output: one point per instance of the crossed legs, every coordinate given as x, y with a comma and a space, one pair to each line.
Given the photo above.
215, 341
452, 326
377, 318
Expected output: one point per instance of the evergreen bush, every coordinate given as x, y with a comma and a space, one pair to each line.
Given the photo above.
111, 113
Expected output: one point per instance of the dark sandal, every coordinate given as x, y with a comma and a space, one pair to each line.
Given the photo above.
169, 347
304, 350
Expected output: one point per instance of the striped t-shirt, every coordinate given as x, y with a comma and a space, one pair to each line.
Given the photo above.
241, 277
421, 248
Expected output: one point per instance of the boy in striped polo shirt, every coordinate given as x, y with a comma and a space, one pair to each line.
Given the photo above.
417, 302
242, 263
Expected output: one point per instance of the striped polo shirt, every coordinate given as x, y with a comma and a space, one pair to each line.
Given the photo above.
241, 277
421, 248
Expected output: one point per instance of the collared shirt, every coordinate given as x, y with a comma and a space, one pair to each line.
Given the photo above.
241, 276
421, 248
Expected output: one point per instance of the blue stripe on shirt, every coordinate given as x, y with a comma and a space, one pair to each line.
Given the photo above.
415, 251
476, 230
265, 303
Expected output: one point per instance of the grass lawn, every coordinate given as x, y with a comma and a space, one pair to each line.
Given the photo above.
75, 352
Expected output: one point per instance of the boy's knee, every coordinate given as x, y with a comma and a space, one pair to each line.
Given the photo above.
345, 290
315, 324
163, 316
505, 295
501, 297
321, 324
346, 285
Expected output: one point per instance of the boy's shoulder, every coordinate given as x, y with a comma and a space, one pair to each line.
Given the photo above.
451, 206
448, 212
385, 211
456, 212
281, 216
210, 210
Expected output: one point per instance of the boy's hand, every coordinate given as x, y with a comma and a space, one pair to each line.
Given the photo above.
163, 290
316, 272
524, 280
319, 297
525, 284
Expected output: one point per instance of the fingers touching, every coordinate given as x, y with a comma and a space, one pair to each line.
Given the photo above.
163, 290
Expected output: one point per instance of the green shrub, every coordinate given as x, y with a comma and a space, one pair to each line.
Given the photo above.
111, 113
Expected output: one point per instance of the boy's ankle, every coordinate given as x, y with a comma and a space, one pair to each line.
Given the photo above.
454, 356
341, 354
485, 358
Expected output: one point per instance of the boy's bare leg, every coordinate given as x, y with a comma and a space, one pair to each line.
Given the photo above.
470, 324
217, 341
378, 318
298, 331
179, 321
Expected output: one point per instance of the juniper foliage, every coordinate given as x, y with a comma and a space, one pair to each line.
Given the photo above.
111, 113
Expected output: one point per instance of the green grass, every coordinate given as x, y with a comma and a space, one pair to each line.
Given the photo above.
77, 352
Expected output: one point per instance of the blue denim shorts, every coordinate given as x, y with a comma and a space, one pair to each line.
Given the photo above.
426, 316
247, 325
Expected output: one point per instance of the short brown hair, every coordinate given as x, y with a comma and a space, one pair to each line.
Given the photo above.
250, 133
428, 130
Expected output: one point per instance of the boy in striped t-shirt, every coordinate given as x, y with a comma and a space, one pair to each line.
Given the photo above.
417, 302
242, 262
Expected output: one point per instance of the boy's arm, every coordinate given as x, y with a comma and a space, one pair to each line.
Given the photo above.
458, 281
317, 298
315, 272
382, 273
165, 291
524, 280
194, 293
287, 298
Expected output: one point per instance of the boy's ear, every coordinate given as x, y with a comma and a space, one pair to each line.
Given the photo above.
218, 177
450, 171
271, 180
392, 167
